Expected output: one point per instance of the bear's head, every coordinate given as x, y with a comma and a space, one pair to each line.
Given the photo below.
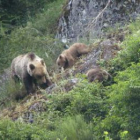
62, 61
37, 69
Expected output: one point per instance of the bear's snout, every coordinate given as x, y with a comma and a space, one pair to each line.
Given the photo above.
46, 84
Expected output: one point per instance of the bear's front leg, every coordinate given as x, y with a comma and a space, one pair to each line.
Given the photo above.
28, 82
71, 61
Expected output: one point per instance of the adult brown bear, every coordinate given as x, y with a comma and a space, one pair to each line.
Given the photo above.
67, 58
31, 70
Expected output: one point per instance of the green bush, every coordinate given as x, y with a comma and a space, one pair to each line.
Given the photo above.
15, 13
69, 128
46, 22
124, 103
87, 99
10, 130
130, 49
75, 128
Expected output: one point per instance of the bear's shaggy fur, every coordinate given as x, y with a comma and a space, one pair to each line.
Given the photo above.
97, 74
31, 70
67, 58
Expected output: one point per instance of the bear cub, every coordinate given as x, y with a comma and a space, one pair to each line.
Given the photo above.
31, 70
67, 58
97, 74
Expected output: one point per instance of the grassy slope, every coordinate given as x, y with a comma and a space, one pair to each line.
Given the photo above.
89, 111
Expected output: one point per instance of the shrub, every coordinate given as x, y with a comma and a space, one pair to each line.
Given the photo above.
87, 99
10, 130
124, 105
75, 128
16, 13
130, 49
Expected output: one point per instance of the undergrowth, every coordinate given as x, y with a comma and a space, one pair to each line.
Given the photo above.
90, 110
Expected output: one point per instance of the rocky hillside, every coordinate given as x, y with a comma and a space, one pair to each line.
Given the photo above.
90, 19
72, 108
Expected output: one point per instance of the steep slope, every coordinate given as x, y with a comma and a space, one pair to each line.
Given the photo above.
74, 109
100, 51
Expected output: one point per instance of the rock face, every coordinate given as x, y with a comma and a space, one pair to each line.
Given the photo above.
89, 18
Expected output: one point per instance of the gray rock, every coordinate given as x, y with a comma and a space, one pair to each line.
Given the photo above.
78, 17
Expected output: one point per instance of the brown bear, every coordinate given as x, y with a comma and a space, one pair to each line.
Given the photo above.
97, 74
31, 70
67, 58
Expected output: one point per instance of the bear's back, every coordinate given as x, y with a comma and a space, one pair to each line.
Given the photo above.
77, 49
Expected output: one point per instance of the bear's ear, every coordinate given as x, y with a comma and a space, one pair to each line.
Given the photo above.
32, 56
32, 67
42, 62
60, 56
